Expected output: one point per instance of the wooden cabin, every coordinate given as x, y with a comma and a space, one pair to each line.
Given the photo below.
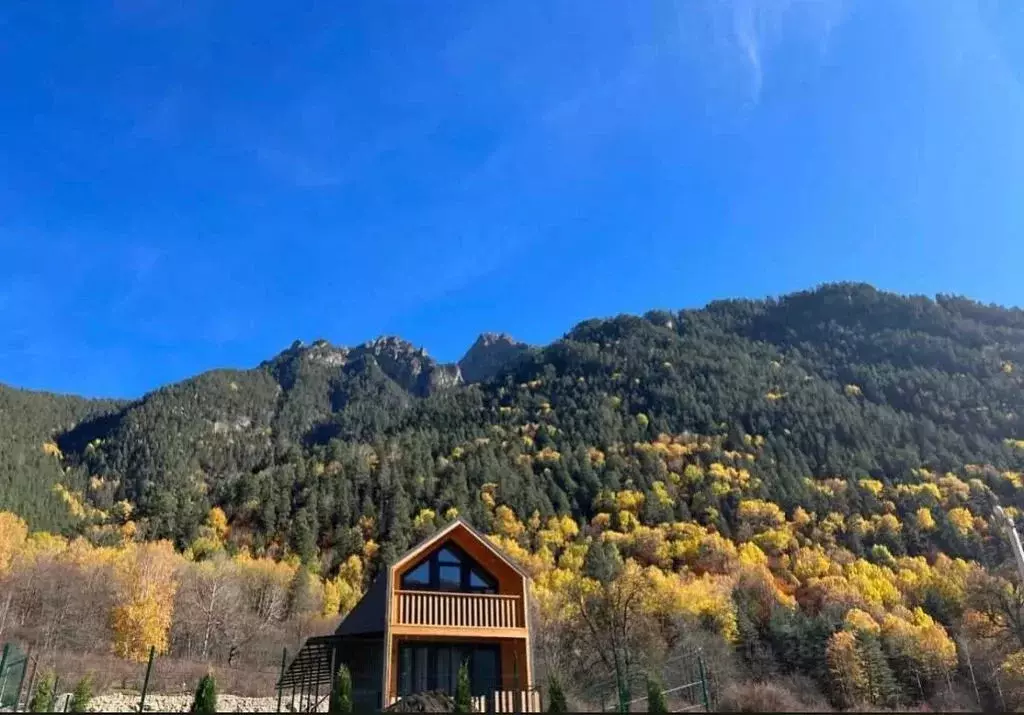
452, 599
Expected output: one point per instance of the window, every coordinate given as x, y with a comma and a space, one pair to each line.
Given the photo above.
484, 671
419, 576
435, 666
447, 556
449, 578
449, 569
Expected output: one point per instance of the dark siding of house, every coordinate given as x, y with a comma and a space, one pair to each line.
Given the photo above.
365, 660
370, 613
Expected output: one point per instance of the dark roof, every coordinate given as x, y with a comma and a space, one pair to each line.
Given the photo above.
370, 614
312, 664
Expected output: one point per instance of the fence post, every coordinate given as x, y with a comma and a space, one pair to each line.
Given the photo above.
515, 684
334, 675
21, 681
3, 675
704, 682
145, 683
284, 660
31, 681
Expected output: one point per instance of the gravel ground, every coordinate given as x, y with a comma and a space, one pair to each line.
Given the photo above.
129, 703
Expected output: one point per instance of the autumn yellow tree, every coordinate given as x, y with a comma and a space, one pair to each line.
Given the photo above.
343, 591
212, 535
920, 649
13, 532
145, 577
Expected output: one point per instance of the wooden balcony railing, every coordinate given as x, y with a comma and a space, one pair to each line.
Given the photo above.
503, 701
458, 610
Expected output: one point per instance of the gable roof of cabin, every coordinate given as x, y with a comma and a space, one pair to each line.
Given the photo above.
370, 613
436, 538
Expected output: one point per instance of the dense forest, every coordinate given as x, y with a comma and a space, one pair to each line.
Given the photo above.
810, 480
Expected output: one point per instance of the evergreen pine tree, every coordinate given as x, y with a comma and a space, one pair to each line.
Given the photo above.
302, 595
81, 696
602, 562
389, 554
463, 691
303, 535
556, 698
205, 700
655, 698
43, 697
341, 694
755, 651
397, 519
881, 688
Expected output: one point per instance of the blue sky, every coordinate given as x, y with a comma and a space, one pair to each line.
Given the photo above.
189, 185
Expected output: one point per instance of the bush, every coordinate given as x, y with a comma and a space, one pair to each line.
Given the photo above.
463, 692
82, 695
423, 703
655, 698
341, 693
765, 697
556, 698
205, 701
44, 695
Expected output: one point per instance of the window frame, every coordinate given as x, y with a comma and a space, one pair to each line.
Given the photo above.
411, 678
435, 560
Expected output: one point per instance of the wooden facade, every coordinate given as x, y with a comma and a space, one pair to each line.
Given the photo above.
452, 599
497, 619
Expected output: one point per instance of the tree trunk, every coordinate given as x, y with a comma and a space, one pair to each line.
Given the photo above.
4, 611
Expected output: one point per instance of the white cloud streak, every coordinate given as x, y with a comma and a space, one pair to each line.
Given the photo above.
760, 26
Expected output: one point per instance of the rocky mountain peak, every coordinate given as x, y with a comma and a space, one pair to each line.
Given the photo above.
394, 346
408, 365
491, 353
323, 352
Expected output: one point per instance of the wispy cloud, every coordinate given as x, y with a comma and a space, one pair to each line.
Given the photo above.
745, 35
746, 18
760, 26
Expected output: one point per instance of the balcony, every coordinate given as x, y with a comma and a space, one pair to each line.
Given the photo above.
459, 610
504, 701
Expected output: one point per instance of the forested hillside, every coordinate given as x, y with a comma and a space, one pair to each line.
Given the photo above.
771, 467
30, 461
844, 380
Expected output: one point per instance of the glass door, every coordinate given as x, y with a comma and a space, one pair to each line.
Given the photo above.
424, 667
484, 673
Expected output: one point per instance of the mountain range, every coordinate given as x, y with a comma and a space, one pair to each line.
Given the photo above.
842, 380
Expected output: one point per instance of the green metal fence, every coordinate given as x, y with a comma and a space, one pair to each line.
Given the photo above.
684, 680
13, 667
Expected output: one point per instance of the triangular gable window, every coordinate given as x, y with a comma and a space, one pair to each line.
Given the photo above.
449, 568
